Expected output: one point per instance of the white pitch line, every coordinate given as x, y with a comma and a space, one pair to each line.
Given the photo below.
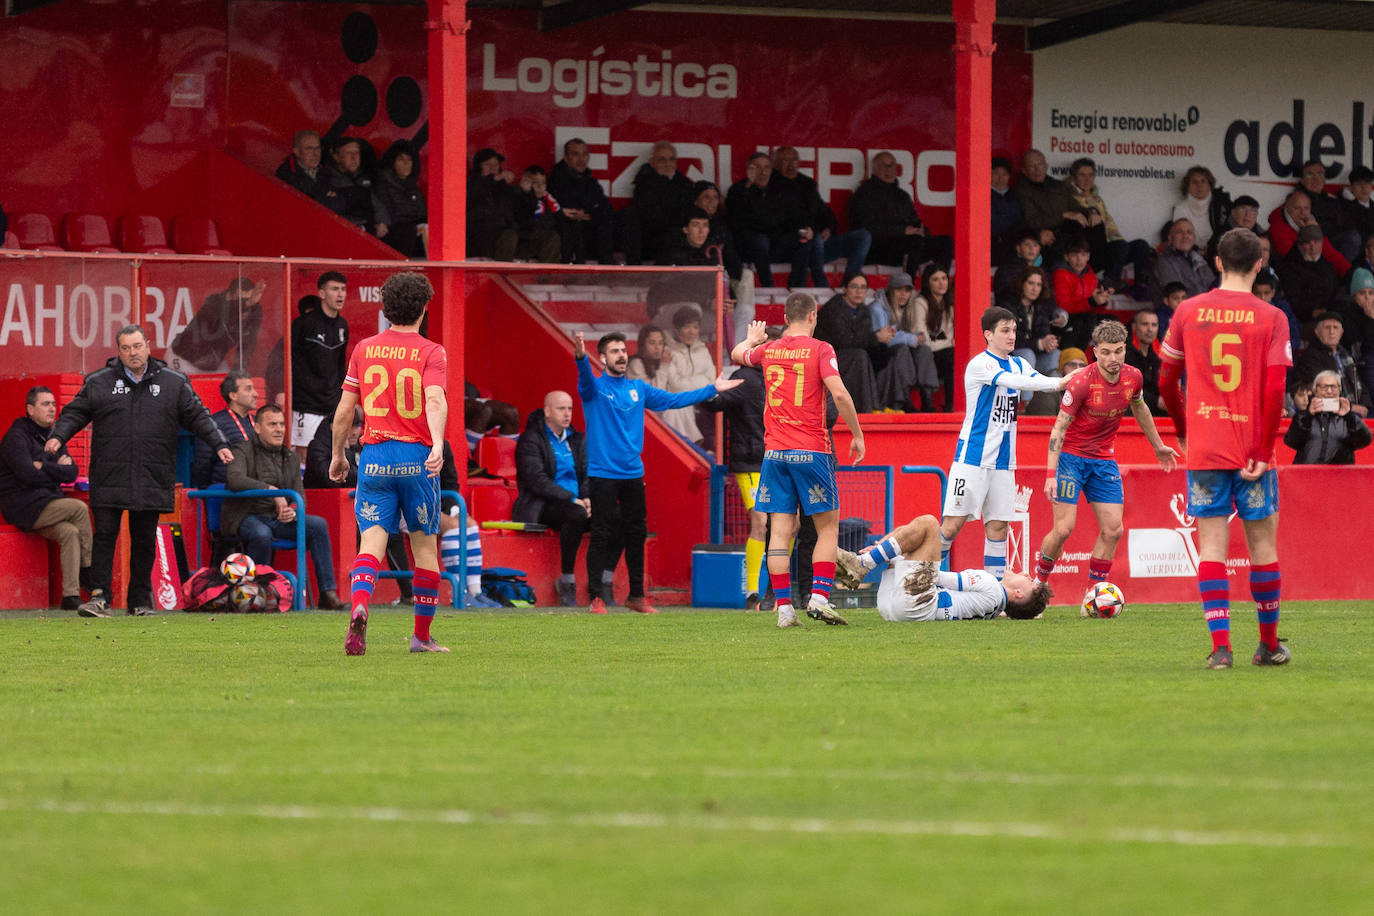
649, 820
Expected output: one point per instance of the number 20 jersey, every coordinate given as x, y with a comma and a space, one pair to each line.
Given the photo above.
389, 373
794, 392
1225, 340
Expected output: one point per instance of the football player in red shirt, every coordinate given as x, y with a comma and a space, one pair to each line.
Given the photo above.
1082, 450
399, 377
1236, 351
798, 466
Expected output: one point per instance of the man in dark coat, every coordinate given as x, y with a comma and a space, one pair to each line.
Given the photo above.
1327, 430
661, 194
135, 405
301, 168
551, 473
887, 211
490, 204
31, 497
846, 323
266, 463
586, 215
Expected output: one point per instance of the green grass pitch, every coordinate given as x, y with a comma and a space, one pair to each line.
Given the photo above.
693, 762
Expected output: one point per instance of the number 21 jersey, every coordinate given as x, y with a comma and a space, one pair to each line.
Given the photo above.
794, 391
1225, 340
389, 373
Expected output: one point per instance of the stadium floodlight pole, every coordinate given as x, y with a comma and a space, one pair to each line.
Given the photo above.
973, 49
447, 26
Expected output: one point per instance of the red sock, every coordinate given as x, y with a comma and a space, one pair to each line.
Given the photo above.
426, 601
822, 578
363, 579
782, 587
1099, 570
1215, 590
1043, 567
1265, 584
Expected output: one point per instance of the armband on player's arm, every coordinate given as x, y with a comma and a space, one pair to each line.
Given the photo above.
1170, 374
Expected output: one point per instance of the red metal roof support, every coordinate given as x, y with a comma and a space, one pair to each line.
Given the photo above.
448, 115
973, 49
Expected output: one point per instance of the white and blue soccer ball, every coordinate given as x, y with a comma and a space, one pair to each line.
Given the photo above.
1103, 599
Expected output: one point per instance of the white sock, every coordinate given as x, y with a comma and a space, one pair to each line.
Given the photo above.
995, 557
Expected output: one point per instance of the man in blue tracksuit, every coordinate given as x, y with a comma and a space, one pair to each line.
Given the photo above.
614, 407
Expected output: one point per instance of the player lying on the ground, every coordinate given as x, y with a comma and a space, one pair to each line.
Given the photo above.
915, 588
1082, 445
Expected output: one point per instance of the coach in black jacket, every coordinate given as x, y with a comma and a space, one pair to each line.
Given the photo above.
135, 405
550, 455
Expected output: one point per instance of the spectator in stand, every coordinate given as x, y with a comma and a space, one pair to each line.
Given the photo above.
1077, 292
1204, 205
769, 223
1267, 288
226, 323
356, 201
933, 313
692, 248
1328, 353
1326, 429
1244, 214
1363, 267
551, 472
614, 407
743, 410
689, 367
235, 423
652, 362
1048, 205
661, 194
319, 359
1359, 323
844, 322
1143, 354
135, 405
1037, 339
1356, 199
896, 307
899, 237
536, 217
1173, 295
1026, 254
31, 497
1328, 210
1309, 281
1071, 359
266, 463
1181, 262
1006, 210
398, 193
708, 201
490, 206
1294, 214
805, 193
586, 225
302, 170
1109, 249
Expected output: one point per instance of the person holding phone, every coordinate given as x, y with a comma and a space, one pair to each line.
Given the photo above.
1328, 431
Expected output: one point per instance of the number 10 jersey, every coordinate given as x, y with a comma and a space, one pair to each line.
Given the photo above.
794, 370
389, 373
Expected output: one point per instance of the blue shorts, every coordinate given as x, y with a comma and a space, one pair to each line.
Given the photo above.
1098, 479
794, 478
392, 482
1213, 493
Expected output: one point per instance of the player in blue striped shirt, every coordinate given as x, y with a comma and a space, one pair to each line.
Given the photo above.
982, 479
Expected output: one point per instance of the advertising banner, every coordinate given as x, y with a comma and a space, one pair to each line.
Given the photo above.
1148, 101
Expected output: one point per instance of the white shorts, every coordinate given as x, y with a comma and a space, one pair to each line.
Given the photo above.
896, 603
980, 493
304, 426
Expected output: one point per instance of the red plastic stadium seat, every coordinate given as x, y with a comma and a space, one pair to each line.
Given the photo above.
493, 504
196, 235
11, 240
87, 232
497, 454
35, 232
143, 234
